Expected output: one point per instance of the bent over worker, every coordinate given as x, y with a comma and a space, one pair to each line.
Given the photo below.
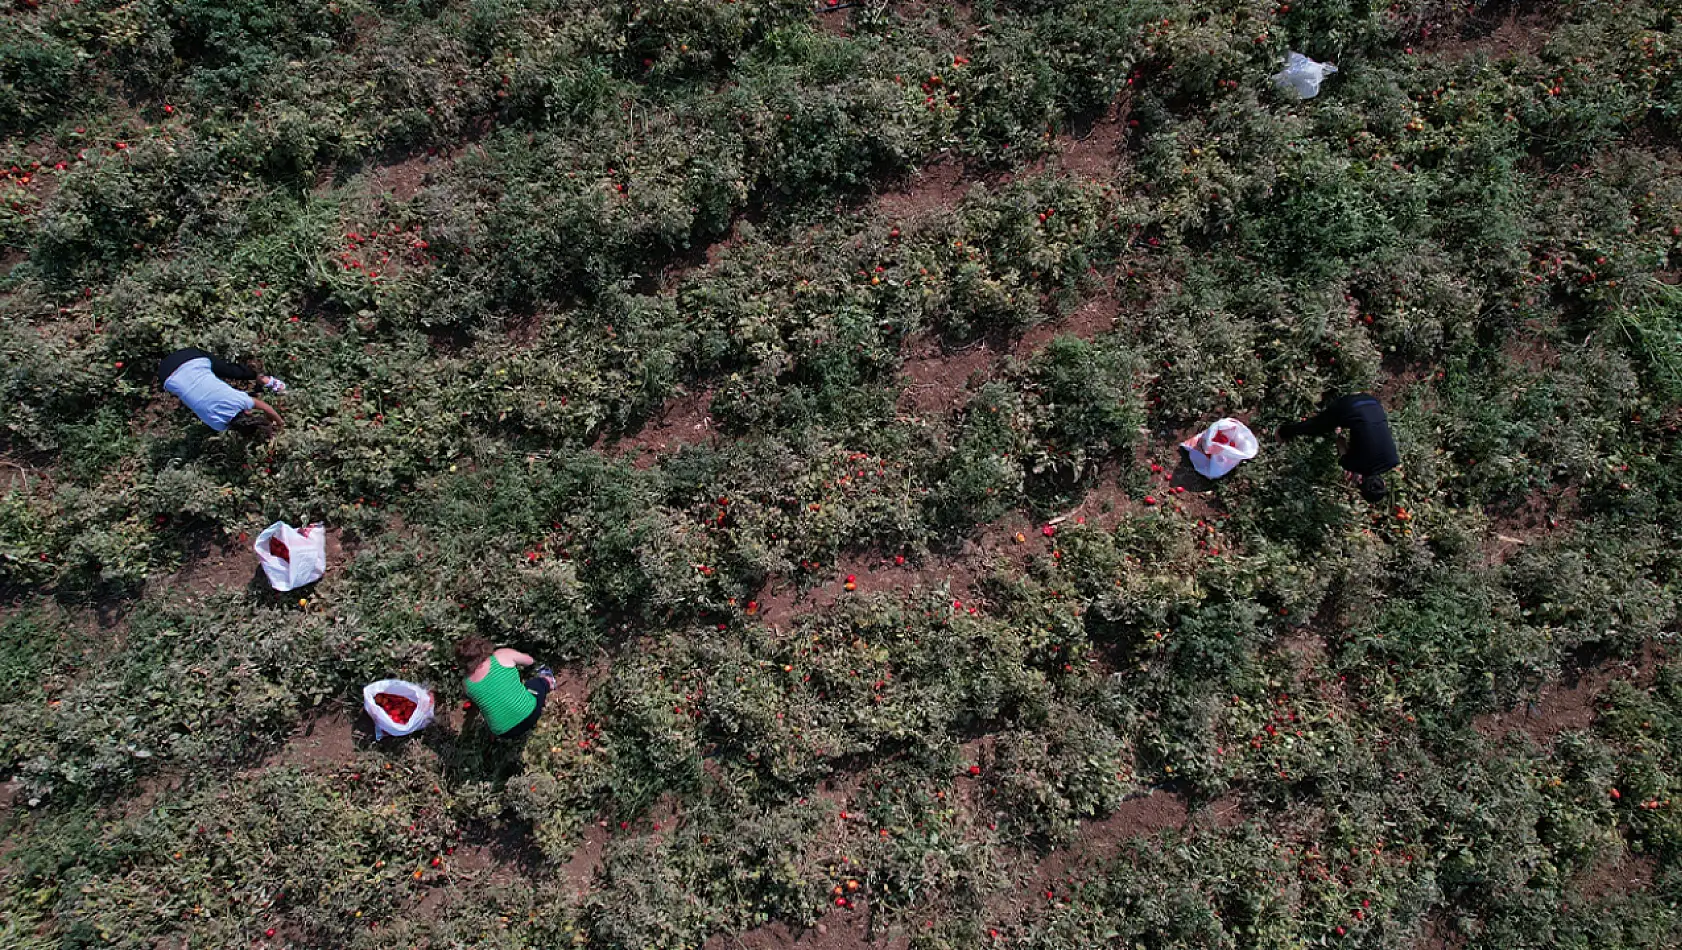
196, 378
1372, 449
511, 708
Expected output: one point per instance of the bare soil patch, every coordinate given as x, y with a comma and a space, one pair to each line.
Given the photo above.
1092, 151
1621, 874
942, 183
402, 180
1497, 30
1570, 704
835, 17
838, 930
1400, 380
938, 378
1097, 152
781, 599
234, 566
152, 789
327, 740
1306, 648
573, 685
1228, 811
1440, 933
1092, 318
684, 420
1137, 817
586, 862
1040, 881
1540, 514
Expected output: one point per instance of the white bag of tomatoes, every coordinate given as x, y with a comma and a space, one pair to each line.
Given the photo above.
398, 707
292, 558
1221, 447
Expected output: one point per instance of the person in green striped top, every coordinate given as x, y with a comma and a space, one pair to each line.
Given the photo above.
510, 707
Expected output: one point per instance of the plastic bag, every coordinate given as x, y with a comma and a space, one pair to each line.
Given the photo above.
1221, 447
384, 723
292, 558
1302, 75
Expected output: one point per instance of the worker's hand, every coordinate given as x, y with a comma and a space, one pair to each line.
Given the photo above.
269, 411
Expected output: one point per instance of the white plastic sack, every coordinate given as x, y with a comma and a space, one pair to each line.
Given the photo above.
1302, 75
384, 725
301, 559
1221, 447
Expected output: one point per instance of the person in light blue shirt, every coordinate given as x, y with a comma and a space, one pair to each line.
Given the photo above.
196, 378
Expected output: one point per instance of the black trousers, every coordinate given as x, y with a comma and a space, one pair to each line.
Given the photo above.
174, 361
539, 687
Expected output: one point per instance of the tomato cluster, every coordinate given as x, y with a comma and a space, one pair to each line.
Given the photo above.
399, 708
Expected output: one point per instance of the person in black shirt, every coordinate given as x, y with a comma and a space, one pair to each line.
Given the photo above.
1371, 451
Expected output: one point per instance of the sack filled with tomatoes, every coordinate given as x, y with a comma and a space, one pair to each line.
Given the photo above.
397, 707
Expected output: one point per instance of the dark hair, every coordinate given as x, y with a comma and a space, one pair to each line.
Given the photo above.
1374, 490
472, 651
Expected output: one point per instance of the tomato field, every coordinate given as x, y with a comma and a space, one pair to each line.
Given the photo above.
804, 383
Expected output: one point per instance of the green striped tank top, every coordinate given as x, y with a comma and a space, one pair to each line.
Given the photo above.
501, 697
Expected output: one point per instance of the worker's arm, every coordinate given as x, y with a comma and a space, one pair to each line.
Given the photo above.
513, 657
228, 370
1324, 422
269, 411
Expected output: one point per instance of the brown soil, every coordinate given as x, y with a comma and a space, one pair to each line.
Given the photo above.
1093, 153
1622, 874
234, 566
835, 17
780, 600
1439, 934
1532, 351
684, 420
495, 856
1094, 317
327, 739
1228, 811
225, 567
1499, 30
1400, 381
1306, 648
1099, 841
938, 185
937, 379
158, 415
586, 862
1532, 521
523, 331
404, 179
1103, 505
1136, 818
152, 788
1100, 150
1569, 704
839, 930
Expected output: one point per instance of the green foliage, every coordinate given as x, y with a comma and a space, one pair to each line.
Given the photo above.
807, 389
